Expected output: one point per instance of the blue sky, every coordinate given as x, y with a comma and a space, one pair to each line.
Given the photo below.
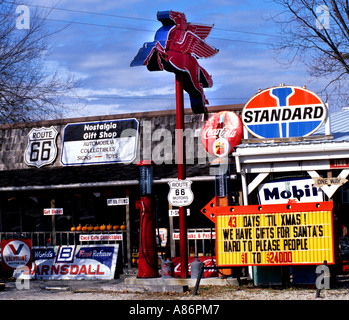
103, 37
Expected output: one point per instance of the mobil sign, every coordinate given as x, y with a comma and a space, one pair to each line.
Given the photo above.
290, 190
284, 112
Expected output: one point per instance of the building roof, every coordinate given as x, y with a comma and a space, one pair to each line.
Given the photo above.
316, 152
339, 121
13, 141
15, 174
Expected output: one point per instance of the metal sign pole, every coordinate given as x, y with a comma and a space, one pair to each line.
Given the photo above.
181, 172
53, 220
128, 232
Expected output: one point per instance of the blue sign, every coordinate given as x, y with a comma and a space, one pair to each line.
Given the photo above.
75, 262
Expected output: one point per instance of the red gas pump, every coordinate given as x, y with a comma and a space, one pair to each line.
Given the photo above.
148, 258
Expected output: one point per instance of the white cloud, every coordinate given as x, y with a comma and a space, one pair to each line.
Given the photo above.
101, 56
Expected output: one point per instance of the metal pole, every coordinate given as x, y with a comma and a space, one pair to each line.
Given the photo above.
53, 220
172, 242
128, 232
181, 172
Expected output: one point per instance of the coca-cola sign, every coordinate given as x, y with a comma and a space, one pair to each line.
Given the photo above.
221, 133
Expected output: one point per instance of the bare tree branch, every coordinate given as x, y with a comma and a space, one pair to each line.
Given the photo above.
324, 50
29, 90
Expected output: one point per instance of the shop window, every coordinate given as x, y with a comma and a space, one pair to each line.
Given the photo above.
345, 194
11, 222
11, 217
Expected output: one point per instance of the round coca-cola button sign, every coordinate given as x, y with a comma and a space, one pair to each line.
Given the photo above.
221, 133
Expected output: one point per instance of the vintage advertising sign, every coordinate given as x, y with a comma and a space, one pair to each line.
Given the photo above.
42, 147
289, 190
118, 202
176, 48
180, 194
284, 112
204, 235
15, 253
221, 133
161, 233
297, 234
208, 262
53, 212
175, 212
75, 262
100, 142
101, 237
334, 181
339, 163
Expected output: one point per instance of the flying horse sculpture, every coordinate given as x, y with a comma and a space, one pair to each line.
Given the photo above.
176, 47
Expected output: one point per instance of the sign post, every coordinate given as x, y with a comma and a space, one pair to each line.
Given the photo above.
181, 171
53, 220
176, 47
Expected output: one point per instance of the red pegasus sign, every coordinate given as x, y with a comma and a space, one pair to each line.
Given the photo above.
176, 47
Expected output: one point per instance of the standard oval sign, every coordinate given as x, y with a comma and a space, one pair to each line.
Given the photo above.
284, 112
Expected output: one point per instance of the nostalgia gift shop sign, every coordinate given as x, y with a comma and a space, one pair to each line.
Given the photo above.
100, 142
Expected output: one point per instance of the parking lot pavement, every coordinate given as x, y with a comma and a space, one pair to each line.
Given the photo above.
118, 289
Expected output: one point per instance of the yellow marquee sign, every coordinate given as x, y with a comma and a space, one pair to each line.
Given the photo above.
293, 234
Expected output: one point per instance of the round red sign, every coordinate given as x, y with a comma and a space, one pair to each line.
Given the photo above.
221, 133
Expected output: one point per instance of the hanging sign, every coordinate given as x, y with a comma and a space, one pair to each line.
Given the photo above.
42, 147
175, 212
180, 194
221, 133
53, 212
284, 112
118, 202
100, 142
197, 235
297, 234
337, 181
101, 237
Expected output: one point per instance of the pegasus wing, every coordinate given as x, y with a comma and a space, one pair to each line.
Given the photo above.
201, 30
196, 46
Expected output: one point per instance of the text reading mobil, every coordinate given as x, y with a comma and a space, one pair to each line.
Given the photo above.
274, 237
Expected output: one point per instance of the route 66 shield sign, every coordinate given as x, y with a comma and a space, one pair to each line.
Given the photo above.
180, 194
42, 148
